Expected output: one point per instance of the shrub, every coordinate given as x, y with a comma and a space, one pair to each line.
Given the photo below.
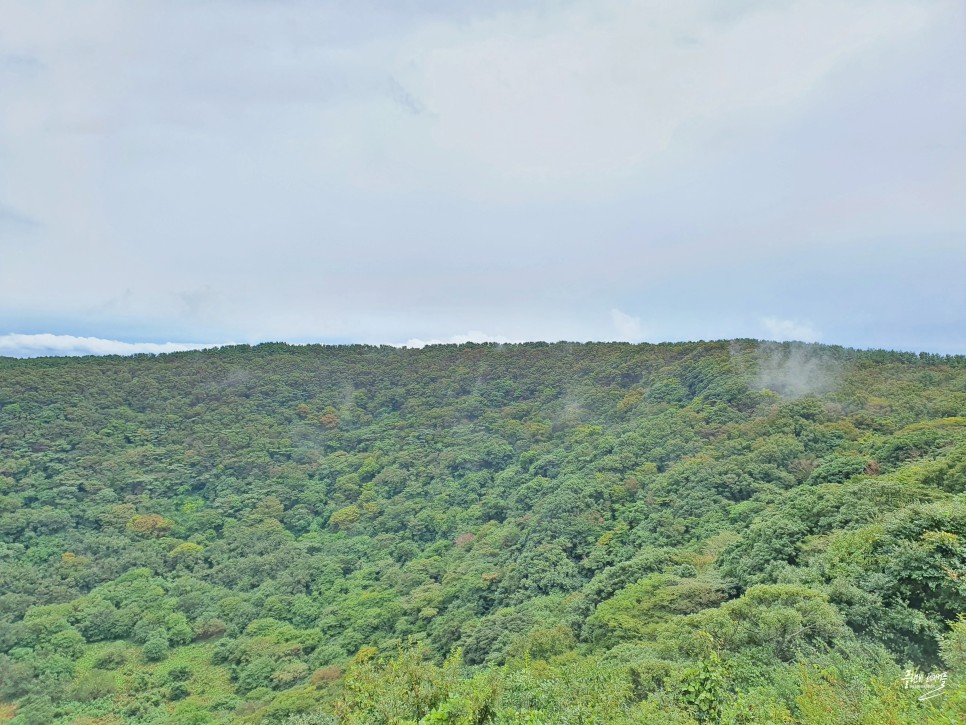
93, 686
156, 648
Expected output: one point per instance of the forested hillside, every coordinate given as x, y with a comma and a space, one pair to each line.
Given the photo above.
734, 532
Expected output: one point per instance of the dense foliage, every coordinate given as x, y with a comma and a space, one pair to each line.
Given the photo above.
734, 532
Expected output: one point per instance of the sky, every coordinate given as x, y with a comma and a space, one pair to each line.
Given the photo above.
177, 174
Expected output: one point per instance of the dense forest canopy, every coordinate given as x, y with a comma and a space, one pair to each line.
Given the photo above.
734, 531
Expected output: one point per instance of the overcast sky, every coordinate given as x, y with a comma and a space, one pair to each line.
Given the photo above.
402, 171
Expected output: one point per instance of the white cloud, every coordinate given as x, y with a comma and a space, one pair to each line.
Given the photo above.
18, 345
628, 327
782, 330
574, 100
471, 336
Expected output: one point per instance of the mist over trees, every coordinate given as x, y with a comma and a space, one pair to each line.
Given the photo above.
714, 532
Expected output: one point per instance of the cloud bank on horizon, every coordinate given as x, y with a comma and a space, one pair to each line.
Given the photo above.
544, 169
45, 344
